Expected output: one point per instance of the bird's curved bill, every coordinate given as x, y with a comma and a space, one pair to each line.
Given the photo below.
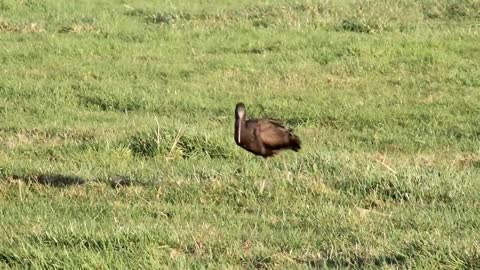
239, 131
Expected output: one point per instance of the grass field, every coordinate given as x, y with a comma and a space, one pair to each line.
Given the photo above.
117, 149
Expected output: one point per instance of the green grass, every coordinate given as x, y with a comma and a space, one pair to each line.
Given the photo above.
116, 134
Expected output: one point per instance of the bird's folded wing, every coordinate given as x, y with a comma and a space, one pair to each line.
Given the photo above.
273, 133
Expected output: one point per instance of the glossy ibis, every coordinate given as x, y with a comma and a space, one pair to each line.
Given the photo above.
263, 137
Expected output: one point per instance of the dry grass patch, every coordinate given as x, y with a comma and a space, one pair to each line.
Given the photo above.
467, 160
9, 27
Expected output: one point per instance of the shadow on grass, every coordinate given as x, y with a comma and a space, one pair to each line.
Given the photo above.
118, 181
55, 180
13, 260
61, 181
356, 261
258, 262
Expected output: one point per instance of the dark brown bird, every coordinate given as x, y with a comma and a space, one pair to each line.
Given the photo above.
263, 137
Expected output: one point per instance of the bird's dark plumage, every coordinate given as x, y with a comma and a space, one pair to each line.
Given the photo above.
263, 137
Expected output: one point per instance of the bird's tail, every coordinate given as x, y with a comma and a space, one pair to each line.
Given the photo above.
295, 143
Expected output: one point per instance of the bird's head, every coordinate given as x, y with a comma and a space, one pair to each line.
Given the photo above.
240, 111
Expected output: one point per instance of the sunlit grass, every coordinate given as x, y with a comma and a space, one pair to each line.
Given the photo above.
116, 135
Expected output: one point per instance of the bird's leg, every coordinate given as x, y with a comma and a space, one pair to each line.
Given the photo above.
286, 168
284, 163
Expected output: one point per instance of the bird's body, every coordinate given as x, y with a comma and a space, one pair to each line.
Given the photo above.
263, 137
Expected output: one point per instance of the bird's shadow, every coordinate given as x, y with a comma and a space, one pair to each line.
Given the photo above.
62, 181
54, 180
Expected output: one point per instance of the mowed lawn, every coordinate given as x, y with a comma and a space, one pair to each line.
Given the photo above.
117, 148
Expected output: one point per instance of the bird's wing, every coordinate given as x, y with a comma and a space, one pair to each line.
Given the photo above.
273, 133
